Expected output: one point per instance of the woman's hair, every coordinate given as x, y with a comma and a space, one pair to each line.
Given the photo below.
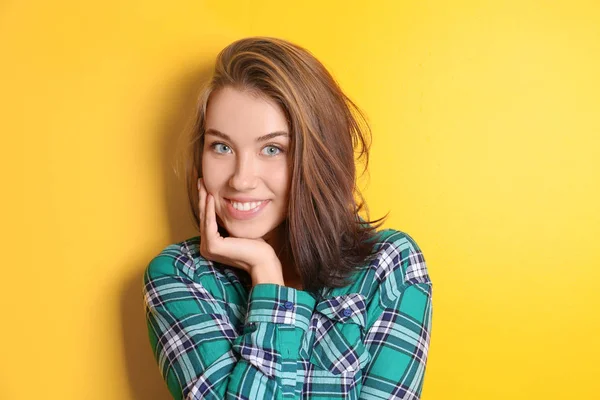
325, 236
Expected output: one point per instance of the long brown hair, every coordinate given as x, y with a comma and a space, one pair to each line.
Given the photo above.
325, 236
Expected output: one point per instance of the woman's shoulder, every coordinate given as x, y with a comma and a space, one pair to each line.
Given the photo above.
398, 238
184, 259
397, 252
180, 258
396, 263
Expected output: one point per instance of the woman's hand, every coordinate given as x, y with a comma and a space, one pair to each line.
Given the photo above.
255, 256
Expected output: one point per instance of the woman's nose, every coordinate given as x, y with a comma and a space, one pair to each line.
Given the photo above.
244, 177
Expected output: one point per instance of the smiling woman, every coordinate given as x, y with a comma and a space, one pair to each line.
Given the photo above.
287, 292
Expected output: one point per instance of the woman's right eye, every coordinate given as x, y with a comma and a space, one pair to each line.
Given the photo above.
220, 148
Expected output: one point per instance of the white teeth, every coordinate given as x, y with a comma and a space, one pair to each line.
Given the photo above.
245, 206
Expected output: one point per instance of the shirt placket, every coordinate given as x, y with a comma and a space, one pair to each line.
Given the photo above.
289, 346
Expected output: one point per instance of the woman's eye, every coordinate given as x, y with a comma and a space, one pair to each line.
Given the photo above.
271, 150
221, 148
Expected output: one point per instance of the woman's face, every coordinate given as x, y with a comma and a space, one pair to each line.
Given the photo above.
245, 162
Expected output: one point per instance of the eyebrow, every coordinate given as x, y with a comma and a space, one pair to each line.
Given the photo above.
258, 139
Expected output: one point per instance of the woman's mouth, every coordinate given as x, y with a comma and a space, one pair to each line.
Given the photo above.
245, 210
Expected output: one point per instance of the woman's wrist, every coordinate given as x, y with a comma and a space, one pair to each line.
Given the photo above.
277, 280
267, 272
272, 281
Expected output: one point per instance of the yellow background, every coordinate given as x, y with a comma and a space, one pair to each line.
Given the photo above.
486, 127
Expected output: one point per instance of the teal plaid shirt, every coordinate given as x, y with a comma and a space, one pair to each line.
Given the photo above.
214, 337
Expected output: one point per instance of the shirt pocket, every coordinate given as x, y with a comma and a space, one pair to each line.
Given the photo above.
338, 332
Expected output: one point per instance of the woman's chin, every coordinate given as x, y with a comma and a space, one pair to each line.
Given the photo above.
249, 230
242, 236
244, 233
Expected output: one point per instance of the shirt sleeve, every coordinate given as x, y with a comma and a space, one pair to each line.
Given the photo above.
200, 353
398, 340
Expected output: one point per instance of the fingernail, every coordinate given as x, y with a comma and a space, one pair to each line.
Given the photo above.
199, 182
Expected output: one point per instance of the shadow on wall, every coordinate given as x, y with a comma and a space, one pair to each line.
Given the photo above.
142, 370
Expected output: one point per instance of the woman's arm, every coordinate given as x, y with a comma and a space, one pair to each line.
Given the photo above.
199, 352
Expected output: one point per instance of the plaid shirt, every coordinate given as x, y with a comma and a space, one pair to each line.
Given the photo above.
215, 338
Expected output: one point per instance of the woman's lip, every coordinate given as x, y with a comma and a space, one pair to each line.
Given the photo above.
240, 214
244, 200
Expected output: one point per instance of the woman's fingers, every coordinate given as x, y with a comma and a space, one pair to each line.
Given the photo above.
201, 205
211, 218
209, 232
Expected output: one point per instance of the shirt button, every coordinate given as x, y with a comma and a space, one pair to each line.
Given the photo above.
288, 305
347, 312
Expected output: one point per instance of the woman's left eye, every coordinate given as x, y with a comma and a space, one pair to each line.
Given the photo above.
271, 150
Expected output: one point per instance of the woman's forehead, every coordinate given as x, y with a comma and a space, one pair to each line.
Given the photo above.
242, 115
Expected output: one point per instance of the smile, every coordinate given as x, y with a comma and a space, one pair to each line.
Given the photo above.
246, 210
245, 206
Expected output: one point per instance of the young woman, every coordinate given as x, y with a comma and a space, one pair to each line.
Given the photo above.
287, 292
